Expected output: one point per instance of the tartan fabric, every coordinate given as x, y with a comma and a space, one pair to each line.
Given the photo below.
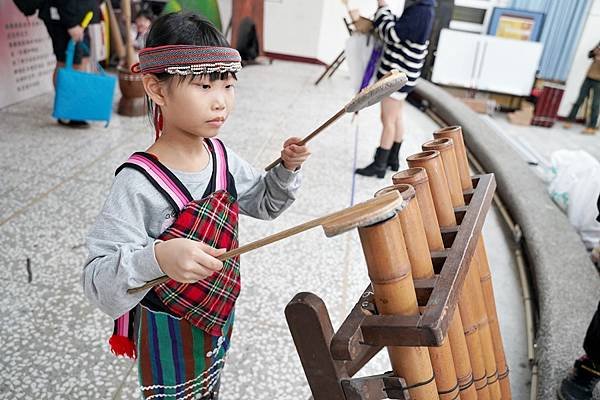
176, 360
208, 303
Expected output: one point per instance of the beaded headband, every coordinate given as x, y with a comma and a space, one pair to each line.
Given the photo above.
187, 59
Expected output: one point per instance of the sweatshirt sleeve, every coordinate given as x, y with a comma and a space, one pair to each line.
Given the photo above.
385, 25
414, 25
263, 195
120, 251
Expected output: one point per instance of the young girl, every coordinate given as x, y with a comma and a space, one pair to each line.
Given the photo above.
173, 209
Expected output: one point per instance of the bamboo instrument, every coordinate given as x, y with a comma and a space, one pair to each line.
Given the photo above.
445, 147
368, 212
431, 161
394, 293
417, 177
422, 268
388, 84
455, 133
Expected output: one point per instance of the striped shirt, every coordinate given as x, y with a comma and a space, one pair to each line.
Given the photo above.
406, 40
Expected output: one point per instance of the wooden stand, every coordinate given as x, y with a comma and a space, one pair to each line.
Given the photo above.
330, 359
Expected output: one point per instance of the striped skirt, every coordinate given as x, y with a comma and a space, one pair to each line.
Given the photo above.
176, 360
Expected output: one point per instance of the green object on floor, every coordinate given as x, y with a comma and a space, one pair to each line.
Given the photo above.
207, 8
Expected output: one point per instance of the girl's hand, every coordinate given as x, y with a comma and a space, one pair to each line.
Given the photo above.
382, 3
293, 155
186, 260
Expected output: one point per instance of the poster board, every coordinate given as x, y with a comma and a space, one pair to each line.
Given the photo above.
26, 58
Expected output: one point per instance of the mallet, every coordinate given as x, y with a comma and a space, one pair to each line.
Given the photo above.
370, 95
362, 214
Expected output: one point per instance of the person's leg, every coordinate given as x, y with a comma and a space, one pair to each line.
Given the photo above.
591, 343
389, 112
394, 160
595, 85
585, 374
583, 93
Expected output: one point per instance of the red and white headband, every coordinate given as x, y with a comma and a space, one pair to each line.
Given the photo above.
187, 59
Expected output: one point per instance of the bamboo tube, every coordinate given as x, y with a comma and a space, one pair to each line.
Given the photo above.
445, 147
455, 133
394, 292
490, 304
432, 162
438, 184
417, 177
422, 268
450, 168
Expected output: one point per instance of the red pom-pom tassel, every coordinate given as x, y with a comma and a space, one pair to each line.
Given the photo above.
122, 346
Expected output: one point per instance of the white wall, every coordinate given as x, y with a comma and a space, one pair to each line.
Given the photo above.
312, 28
293, 27
589, 38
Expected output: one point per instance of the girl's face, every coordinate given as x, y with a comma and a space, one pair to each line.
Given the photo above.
199, 107
142, 24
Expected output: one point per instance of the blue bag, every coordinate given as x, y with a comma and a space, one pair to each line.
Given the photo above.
82, 95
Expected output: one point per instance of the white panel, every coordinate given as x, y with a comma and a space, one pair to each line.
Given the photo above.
26, 58
508, 66
456, 58
333, 32
293, 27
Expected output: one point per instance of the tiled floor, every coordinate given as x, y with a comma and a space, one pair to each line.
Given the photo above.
54, 181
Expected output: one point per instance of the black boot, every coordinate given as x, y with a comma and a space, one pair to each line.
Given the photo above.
378, 166
580, 382
393, 161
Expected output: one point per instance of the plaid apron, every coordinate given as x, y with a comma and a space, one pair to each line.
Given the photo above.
183, 330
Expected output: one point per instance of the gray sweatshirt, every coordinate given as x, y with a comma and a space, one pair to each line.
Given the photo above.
120, 244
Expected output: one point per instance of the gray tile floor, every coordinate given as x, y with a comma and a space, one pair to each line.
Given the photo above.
54, 181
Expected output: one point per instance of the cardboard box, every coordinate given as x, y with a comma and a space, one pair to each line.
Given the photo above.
482, 106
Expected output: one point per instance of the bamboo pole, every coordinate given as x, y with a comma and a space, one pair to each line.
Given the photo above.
417, 177
432, 162
446, 148
455, 133
422, 268
394, 292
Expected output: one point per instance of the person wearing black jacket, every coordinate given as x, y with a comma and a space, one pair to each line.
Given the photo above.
585, 374
63, 21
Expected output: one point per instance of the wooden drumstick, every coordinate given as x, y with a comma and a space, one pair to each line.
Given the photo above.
368, 212
370, 95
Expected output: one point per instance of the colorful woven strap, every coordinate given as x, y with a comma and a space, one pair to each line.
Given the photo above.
168, 184
186, 59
